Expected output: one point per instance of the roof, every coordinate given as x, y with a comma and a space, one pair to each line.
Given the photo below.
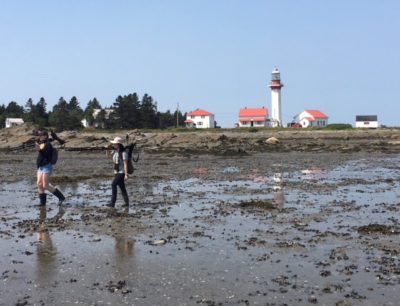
309, 118
259, 119
253, 112
316, 113
188, 120
15, 120
367, 118
244, 119
200, 112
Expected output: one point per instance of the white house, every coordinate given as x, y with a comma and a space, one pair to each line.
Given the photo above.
311, 117
10, 122
253, 117
200, 119
96, 112
367, 121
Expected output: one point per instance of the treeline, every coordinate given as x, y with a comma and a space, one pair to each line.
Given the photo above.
125, 113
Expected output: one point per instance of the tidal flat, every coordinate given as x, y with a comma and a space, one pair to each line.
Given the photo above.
288, 228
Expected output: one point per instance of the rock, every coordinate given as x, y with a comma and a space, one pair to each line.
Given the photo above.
312, 299
272, 140
158, 242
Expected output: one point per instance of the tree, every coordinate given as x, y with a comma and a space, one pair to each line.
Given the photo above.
75, 114
41, 116
148, 111
60, 115
127, 111
29, 111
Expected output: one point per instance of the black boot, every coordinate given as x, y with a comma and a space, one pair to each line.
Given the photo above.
42, 197
111, 204
59, 195
126, 200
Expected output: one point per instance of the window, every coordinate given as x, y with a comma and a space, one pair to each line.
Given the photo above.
244, 122
203, 117
199, 123
192, 117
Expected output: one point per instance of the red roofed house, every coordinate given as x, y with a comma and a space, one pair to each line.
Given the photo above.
253, 117
311, 117
200, 119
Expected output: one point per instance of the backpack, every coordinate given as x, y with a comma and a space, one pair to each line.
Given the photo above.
54, 156
130, 157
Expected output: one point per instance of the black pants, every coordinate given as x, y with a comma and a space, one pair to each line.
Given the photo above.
119, 181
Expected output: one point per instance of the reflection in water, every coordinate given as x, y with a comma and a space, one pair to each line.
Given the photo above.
257, 178
279, 197
46, 252
202, 170
312, 174
124, 250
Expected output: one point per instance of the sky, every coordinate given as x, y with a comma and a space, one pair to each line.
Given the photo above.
340, 57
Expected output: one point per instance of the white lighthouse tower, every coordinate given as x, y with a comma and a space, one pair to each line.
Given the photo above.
275, 85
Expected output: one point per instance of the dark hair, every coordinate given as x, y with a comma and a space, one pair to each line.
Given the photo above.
121, 147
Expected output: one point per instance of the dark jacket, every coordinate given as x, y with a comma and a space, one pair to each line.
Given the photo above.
44, 155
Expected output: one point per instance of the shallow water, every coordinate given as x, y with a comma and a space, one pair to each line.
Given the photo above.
301, 247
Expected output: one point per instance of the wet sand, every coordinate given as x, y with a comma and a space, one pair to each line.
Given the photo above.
293, 228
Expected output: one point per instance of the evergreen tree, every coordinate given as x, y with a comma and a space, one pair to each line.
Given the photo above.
75, 114
60, 115
29, 111
41, 116
148, 112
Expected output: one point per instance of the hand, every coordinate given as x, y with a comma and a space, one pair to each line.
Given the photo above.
126, 177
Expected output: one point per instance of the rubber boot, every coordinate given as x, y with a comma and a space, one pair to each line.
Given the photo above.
126, 200
59, 195
42, 197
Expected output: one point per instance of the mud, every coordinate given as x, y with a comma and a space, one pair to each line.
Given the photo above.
284, 228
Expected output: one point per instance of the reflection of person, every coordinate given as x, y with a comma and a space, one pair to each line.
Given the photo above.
123, 246
120, 160
46, 253
279, 197
45, 169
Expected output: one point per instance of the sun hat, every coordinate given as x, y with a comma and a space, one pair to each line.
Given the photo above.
117, 140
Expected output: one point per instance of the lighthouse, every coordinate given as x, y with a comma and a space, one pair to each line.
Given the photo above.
276, 85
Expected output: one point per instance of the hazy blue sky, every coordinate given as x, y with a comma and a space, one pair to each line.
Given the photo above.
341, 57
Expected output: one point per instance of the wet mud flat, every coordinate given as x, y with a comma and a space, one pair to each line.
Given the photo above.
269, 229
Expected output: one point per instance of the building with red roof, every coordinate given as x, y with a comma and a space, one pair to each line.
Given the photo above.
200, 118
253, 117
311, 117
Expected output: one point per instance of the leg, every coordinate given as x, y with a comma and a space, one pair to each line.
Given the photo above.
123, 191
39, 183
46, 182
114, 190
55, 191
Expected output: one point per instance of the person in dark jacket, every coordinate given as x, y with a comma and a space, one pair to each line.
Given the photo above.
45, 169
120, 160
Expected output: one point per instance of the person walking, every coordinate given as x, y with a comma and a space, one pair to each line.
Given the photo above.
45, 169
120, 159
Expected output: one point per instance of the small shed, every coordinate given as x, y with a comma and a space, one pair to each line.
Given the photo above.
10, 122
367, 121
